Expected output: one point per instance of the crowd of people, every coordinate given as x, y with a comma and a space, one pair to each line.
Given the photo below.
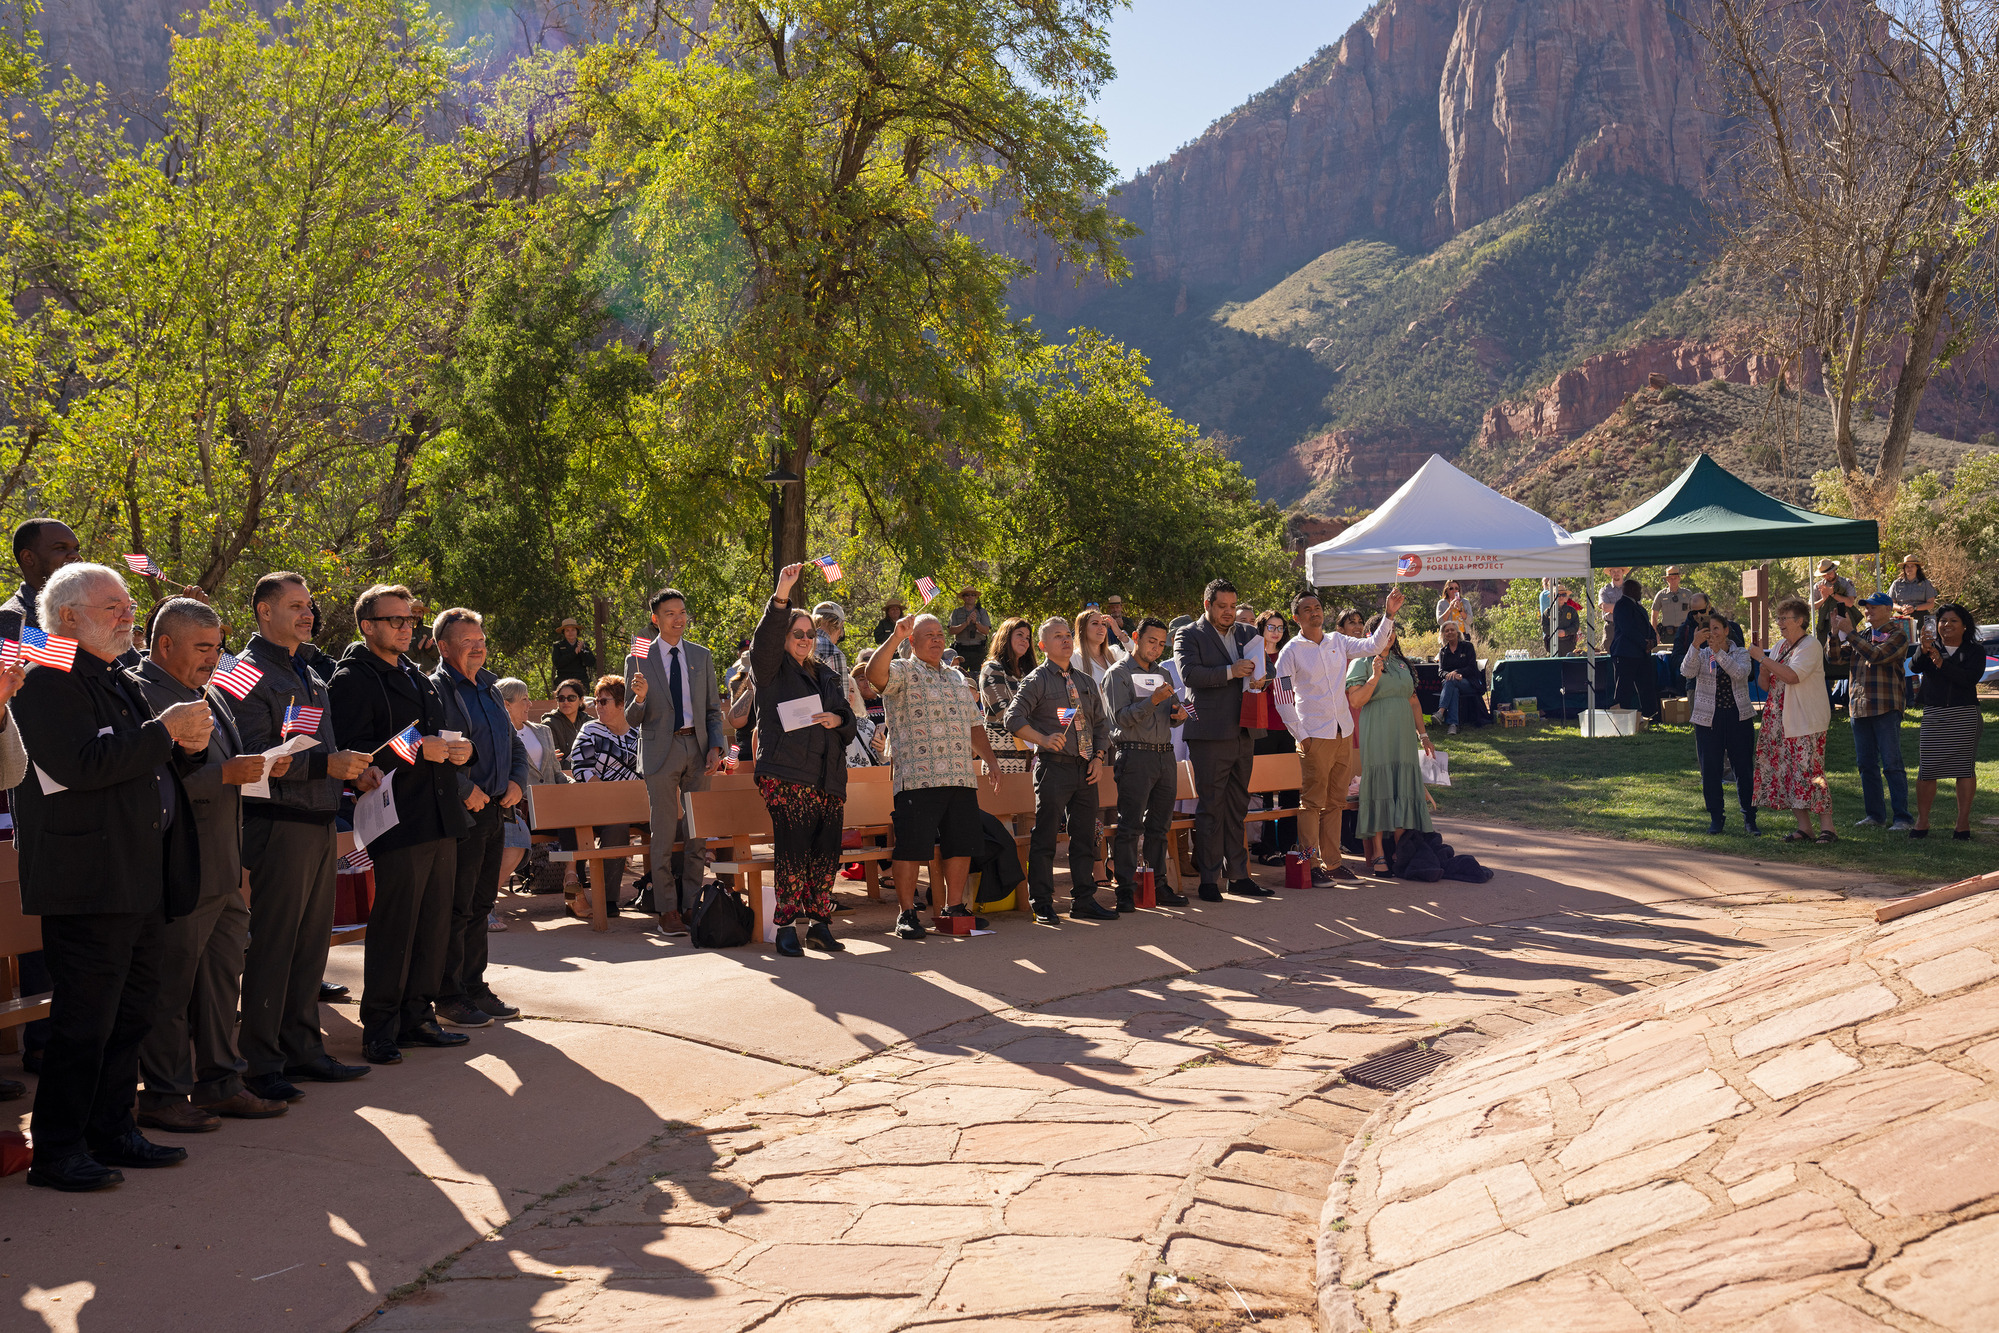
178, 809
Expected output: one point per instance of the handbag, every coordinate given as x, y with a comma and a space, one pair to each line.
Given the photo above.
722, 920
1259, 710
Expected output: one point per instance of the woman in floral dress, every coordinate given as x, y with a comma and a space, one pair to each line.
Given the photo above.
1790, 752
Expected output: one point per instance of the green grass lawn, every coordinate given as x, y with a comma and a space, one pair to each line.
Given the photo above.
1646, 788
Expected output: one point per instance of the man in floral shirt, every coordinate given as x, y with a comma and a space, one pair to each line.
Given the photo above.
936, 728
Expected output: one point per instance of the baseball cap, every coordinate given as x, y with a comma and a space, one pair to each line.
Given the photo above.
1877, 599
829, 609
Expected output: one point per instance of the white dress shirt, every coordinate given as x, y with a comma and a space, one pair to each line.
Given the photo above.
1312, 682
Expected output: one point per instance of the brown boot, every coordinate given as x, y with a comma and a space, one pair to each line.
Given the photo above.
248, 1105
179, 1118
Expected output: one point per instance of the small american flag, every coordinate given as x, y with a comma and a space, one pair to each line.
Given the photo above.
301, 721
1408, 565
357, 861
641, 646
47, 649
407, 743
143, 564
10, 654
830, 565
1065, 715
927, 587
235, 677
1187, 703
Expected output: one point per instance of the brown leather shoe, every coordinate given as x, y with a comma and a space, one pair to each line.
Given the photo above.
1340, 872
179, 1118
671, 924
247, 1105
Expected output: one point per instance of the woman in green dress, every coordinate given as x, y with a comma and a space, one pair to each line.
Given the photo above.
1381, 691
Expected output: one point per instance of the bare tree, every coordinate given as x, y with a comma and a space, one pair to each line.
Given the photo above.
1857, 131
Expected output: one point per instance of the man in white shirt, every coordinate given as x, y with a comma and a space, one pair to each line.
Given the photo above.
1312, 700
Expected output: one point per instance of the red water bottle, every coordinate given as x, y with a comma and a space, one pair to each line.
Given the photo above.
1297, 872
1148, 888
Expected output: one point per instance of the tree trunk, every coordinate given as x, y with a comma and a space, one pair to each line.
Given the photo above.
790, 534
1931, 299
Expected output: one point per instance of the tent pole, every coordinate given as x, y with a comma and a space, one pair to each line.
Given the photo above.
1589, 649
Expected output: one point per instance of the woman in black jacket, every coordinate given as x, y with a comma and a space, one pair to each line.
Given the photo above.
1950, 660
802, 772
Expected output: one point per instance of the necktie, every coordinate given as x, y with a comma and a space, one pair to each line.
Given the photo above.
1081, 723
673, 687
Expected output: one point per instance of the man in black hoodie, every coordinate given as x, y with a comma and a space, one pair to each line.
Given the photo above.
377, 694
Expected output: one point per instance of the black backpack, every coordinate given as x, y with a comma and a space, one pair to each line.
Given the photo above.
722, 920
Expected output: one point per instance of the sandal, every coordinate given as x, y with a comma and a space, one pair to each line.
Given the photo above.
1827, 835
1797, 835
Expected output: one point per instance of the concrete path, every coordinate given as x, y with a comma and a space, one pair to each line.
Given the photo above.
1018, 1121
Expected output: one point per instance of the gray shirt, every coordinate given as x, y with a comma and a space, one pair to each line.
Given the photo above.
1049, 688
1134, 717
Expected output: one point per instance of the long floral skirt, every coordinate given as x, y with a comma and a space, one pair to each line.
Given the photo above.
805, 823
1790, 771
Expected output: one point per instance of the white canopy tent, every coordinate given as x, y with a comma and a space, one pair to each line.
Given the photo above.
1443, 524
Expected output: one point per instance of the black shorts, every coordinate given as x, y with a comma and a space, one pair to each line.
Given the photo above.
928, 816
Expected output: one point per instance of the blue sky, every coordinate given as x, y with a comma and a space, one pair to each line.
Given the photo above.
1183, 63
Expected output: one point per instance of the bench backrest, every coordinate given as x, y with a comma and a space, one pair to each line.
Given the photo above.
554, 805
728, 815
1276, 772
1014, 797
19, 932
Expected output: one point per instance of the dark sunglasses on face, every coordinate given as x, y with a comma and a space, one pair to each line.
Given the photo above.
568, 698
603, 699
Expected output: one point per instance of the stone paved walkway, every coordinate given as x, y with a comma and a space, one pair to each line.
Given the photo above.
1805, 1142
1153, 1154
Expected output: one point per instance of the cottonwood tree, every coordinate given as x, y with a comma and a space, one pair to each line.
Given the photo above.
782, 183
1858, 131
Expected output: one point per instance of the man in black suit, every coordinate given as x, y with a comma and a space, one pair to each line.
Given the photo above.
108, 855
377, 693
192, 1067
1209, 656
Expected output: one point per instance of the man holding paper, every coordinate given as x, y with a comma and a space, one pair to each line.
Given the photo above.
290, 847
1143, 713
190, 1063
1059, 710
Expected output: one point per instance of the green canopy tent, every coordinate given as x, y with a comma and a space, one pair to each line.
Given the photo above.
1709, 513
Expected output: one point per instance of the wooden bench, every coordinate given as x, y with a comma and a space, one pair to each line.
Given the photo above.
19, 934
1269, 775
738, 820
352, 933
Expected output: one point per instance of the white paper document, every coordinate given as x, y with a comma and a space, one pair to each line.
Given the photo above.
452, 735
375, 813
1142, 683
798, 713
296, 745
49, 785
1436, 768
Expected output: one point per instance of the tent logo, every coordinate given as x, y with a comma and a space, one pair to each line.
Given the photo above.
1409, 566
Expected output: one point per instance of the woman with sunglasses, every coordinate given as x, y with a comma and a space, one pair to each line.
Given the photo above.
606, 750
801, 769
1950, 659
566, 718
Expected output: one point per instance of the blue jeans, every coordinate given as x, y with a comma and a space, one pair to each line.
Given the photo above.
1447, 703
1877, 746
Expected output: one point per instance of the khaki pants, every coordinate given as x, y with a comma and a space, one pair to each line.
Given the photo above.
1328, 767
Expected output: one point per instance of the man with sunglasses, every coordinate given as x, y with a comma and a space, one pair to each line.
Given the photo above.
377, 694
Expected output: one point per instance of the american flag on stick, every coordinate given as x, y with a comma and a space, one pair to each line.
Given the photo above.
830, 566
301, 721
641, 646
1065, 715
357, 861
47, 649
926, 587
235, 677
407, 743
142, 564
10, 654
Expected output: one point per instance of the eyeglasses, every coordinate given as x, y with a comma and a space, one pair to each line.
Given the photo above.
117, 608
800, 634
394, 622
603, 699
568, 698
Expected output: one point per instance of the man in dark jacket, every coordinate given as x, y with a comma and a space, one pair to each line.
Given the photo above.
290, 847
378, 694
107, 854
1631, 640
190, 1061
571, 658
1209, 656
489, 787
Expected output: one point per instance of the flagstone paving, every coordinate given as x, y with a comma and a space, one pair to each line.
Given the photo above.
1159, 1154
1806, 1140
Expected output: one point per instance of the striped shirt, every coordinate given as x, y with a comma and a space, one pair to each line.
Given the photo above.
600, 756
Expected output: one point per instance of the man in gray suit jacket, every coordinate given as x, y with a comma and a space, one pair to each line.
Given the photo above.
1209, 656
192, 1068
677, 708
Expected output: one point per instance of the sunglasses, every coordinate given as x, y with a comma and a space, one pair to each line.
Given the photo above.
568, 698
800, 634
606, 699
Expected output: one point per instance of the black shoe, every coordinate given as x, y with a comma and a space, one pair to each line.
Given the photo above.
1714, 826
78, 1173
463, 1014
494, 1007
978, 922
134, 1149
787, 942
31, 1060
1749, 825
331, 991
326, 1069
381, 1053
1045, 916
273, 1087
819, 935
1169, 898
1127, 901
1249, 888
1960, 834
430, 1034
12, 1089
1091, 910
1270, 859
1210, 893
909, 926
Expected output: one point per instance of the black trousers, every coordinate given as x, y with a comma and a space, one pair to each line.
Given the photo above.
1146, 781
1735, 738
475, 888
106, 969
292, 869
409, 928
1638, 682
190, 1054
1221, 781
1062, 787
